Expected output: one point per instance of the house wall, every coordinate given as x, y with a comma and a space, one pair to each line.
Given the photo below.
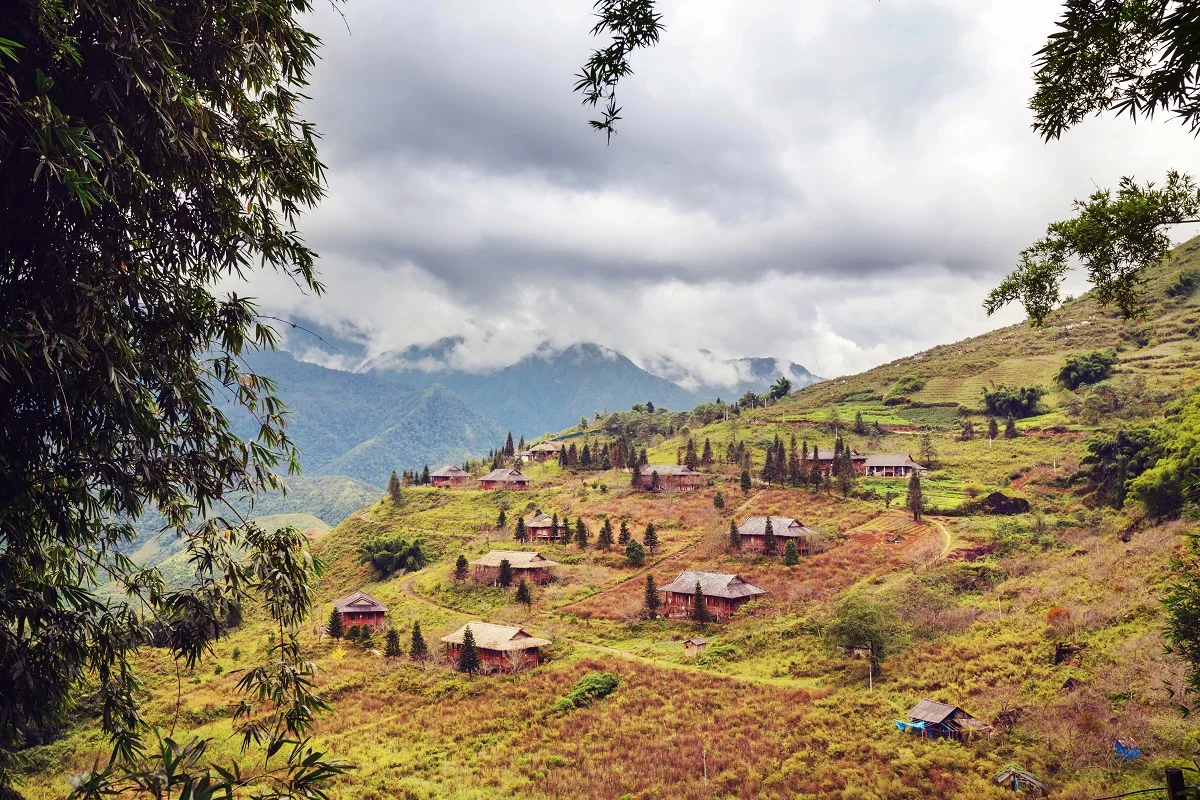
498, 660
669, 483
517, 485
757, 544
444, 480
489, 575
679, 606
374, 619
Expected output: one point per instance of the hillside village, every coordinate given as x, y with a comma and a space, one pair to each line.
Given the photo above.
902, 584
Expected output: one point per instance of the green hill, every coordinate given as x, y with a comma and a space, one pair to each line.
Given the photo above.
1046, 626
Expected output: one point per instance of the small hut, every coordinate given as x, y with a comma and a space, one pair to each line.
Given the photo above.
892, 465
504, 479
934, 720
695, 646
723, 594
362, 610
1013, 777
450, 475
502, 648
541, 528
671, 478
525, 564
545, 450
753, 534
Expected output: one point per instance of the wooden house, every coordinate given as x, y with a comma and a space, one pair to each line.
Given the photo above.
540, 528
891, 465
502, 648
450, 475
545, 450
525, 564
824, 461
504, 479
695, 646
362, 610
671, 478
934, 720
753, 534
723, 594
1019, 780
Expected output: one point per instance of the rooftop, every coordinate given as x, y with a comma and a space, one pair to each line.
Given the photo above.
509, 474
933, 711
668, 469
784, 527
517, 559
496, 637
448, 471
359, 601
892, 460
712, 584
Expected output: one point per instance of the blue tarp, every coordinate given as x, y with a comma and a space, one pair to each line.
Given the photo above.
910, 727
1126, 752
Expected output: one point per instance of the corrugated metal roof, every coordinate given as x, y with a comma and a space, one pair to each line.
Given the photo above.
712, 584
517, 559
827, 455
933, 711
448, 471
496, 637
359, 601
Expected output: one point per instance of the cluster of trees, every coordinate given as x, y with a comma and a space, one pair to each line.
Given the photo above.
390, 553
1086, 368
505, 454
800, 467
693, 457
580, 534
604, 455
364, 638
1004, 401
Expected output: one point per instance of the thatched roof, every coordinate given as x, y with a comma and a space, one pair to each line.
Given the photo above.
892, 460
712, 584
517, 559
783, 527
449, 471
505, 476
664, 470
496, 637
359, 601
540, 521
827, 455
547, 447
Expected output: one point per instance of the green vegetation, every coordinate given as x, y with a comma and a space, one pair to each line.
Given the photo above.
391, 553
1185, 284
1002, 401
590, 688
1086, 368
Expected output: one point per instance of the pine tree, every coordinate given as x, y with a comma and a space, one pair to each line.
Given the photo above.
460, 568
719, 500
562, 458
993, 428
501, 519
859, 426
690, 458
699, 611
745, 480
769, 539
505, 576
425, 476
791, 556
365, 640
585, 456
650, 540
1010, 428
509, 449
635, 477
581, 534
572, 455
730, 454
393, 488
521, 444
706, 456
927, 453
468, 654
418, 649
605, 539
352, 633
524, 594
845, 478
623, 536
915, 501
336, 627
521, 533
392, 648
735, 536
554, 526
655, 483
635, 554
651, 598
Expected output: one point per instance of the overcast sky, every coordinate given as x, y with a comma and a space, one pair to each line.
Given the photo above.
836, 182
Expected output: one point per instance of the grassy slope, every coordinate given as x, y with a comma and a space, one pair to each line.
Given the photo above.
770, 711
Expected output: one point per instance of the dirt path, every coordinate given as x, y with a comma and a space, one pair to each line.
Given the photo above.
946, 537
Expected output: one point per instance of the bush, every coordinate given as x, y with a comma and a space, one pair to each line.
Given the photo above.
1085, 369
590, 688
1003, 401
907, 385
390, 553
1184, 285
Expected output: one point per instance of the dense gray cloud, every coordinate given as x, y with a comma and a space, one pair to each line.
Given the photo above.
835, 183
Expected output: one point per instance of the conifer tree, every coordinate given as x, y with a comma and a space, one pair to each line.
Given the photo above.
392, 648
650, 540
769, 538
623, 536
501, 519
563, 459
505, 576
521, 533
706, 456
735, 536
581, 534
699, 611
605, 539
364, 637
730, 453
690, 458
521, 444
927, 453
791, 556
460, 568
650, 597
393, 488
859, 426
425, 476
524, 593
352, 633
746, 480
993, 428
635, 476
635, 554
1010, 428
468, 654
606, 463
585, 456
418, 649
554, 526
719, 500
845, 478
509, 449
572, 455
336, 627
804, 470
915, 501
642, 459
655, 482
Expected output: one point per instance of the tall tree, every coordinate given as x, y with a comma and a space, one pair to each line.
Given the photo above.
391, 648
650, 598
521, 533
605, 540
699, 609
468, 653
845, 477
968, 431
719, 501
336, 627
915, 501
509, 448
780, 389
635, 554
417, 649
791, 555
1010, 428
425, 476
655, 482
504, 577
735, 536
581, 534
650, 539
623, 536
993, 429
393, 488
745, 481
460, 568
860, 427
928, 452
501, 519
770, 541
636, 476
690, 458
524, 593
706, 456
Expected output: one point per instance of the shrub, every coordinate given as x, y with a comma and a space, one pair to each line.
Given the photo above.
390, 553
353, 632
1185, 284
590, 688
635, 554
1086, 369
1003, 401
906, 385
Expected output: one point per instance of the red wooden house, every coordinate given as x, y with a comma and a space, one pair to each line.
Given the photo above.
753, 534
525, 564
504, 479
362, 610
502, 648
450, 475
541, 528
723, 594
824, 461
671, 478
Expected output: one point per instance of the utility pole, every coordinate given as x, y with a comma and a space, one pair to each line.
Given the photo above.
1176, 787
